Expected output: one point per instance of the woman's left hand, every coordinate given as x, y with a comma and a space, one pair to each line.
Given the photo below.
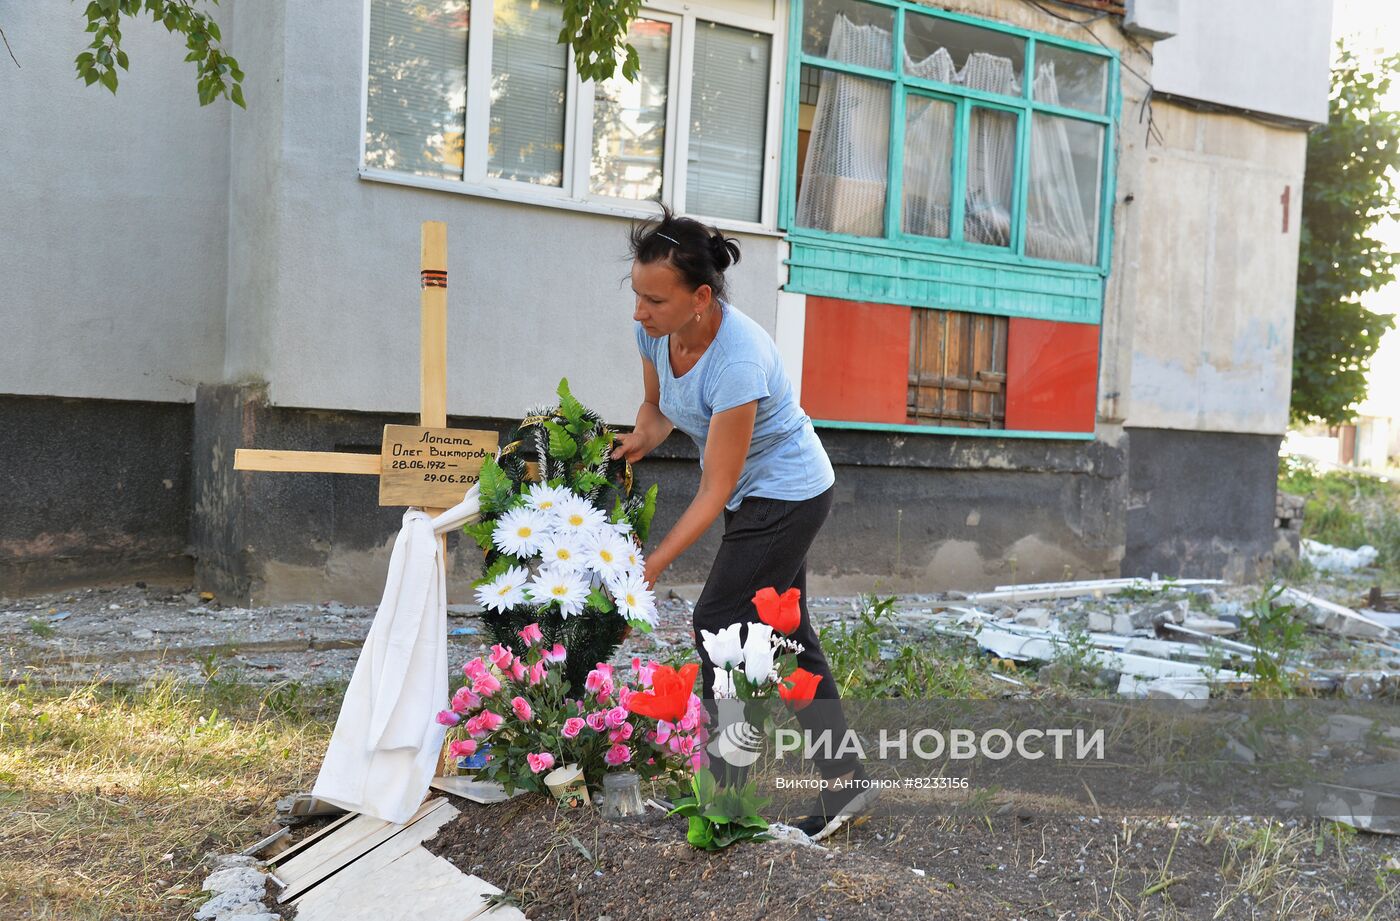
651, 573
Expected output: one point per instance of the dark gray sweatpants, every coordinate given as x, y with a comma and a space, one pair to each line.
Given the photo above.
765, 543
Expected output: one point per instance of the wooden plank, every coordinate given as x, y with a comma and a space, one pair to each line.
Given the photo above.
431, 467
415, 885
433, 342
309, 840
343, 839
408, 839
305, 461
333, 855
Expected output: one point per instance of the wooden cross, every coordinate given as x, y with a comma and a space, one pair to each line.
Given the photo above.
428, 465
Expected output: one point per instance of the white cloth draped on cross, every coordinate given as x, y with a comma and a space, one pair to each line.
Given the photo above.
387, 740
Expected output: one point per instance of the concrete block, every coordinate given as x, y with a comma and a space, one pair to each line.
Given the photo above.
1123, 624
1155, 19
1346, 729
1100, 622
1033, 617
1211, 625
225, 902
1178, 689
233, 878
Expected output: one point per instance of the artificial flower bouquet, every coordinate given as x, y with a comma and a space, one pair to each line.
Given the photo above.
555, 556
521, 705
763, 661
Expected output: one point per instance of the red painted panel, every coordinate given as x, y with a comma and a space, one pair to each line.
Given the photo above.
1052, 373
855, 361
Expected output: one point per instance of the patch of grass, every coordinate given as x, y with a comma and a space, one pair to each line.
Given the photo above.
110, 797
1347, 509
40, 628
870, 658
1277, 631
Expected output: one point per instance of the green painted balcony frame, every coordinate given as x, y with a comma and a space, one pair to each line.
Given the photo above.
955, 274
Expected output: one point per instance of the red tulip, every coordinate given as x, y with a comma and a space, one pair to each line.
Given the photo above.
799, 688
669, 696
781, 612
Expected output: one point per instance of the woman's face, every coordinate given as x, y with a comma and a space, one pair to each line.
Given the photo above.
664, 303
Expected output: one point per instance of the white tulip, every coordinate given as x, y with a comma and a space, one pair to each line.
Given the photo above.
758, 653
724, 684
723, 646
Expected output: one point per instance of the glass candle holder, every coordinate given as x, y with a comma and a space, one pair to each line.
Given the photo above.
622, 796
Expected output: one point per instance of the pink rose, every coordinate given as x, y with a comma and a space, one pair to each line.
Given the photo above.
621, 733
486, 685
490, 721
540, 761
537, 672
522, 709
596, 721
688, 722
687, 746
531, 634
699, 760
616, 717
462, 748
464, 700
448, 718
618, 754
476, 669
555, 655
501, 657
663, 732
517, 670
572, 727
600, 683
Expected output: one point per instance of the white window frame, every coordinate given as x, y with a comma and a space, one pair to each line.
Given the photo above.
574, 192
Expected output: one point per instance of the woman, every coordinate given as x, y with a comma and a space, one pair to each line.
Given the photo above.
715, 374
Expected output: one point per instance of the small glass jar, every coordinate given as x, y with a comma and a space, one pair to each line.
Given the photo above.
622, 796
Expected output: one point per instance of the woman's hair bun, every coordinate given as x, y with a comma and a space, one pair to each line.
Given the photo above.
724, 250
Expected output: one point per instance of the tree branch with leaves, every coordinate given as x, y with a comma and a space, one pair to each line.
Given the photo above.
1350, 187
218, 72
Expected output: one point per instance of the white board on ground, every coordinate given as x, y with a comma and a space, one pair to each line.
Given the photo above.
415, 885
333, 855
306, 842
343, 838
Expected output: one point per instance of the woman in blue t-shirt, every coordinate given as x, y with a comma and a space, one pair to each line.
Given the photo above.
716, 375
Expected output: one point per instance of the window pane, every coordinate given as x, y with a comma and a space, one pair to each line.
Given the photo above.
957, 369
415, 120
728, 117
629, 119
848, 31
528, 75
991, 167
928, 165
1069, 78
1062, 212
841, 187
955, 52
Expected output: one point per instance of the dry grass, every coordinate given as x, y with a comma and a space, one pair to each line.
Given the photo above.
110, 798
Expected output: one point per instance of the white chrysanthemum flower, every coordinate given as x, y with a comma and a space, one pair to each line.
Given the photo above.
605, 552
505, 591
521, 532
634, 600
577, 514
546, 498
635, 561
552, 584
564, 550
623, 527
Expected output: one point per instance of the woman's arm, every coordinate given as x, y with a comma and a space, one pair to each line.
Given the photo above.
651, 428
725, 451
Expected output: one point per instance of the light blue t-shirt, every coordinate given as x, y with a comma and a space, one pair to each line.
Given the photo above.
786, 460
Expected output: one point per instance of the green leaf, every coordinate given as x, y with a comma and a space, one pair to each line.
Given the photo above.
503, 562
561, 446
481, 533
571, 408
641, 522
602, 602
587, 481
594, 449
237, 96
109, 80
122, 60
494, 487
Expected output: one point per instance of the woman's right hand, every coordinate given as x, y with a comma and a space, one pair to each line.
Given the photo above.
631, 446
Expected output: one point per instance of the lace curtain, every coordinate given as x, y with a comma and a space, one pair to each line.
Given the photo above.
845, 172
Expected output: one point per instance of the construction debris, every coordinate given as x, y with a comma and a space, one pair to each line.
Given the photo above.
1326, 558
1336, 618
